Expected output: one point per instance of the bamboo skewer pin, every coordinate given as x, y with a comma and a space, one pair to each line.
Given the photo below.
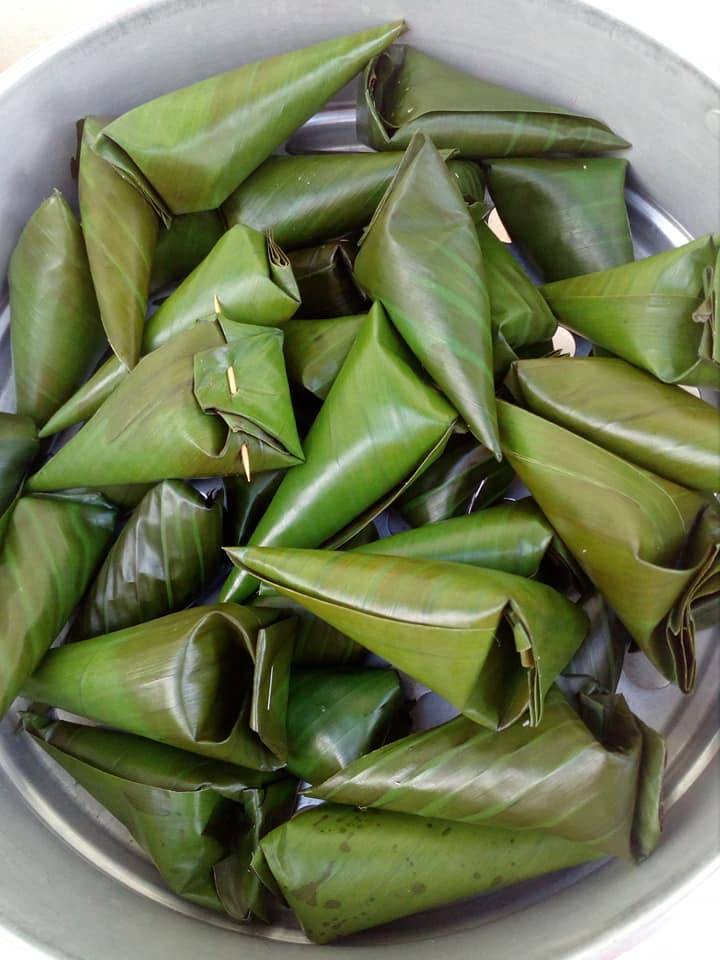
245, 454
232, 382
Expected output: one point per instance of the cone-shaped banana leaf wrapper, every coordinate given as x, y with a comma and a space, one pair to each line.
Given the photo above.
310, 199
187, 410
315, 350
344, 870
212, 680
598, 784
51, 549
183, 245
336, 716
379, 427
655, 425
324, 276
650, 546
489, 642
405, 91
185, 811
194, 146
18, 448
567, 216
466, 477
167, 553
55, 327
421, 258
120, 229
654, 313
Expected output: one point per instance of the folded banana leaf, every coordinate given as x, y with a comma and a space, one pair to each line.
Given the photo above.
597, 665
379, 426
120, 229
345, 870
653, 313
325, 280
336, 716
55, 327
587, 783
88, 398
567, 216
183, 245
315, 350
51, 549
167, 553
212, 680
196, 145
489, 642
183, 810
405, 91
650, 546
655, 425
466, 477
182, 413
18, 448
246, 502
421, 258
310, 199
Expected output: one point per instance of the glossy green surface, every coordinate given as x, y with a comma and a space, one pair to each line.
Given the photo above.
88, 398
315, 350
325, 280
183, 245
18, 447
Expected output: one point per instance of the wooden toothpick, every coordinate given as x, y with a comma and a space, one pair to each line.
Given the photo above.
245, 454
232, 382
217, 305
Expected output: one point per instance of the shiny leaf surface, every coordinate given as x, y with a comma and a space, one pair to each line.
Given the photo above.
315, 350
184, 245
18, 448
324, 276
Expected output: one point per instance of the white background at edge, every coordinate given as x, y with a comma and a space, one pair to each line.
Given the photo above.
691, 29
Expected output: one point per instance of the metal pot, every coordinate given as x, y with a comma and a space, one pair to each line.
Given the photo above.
70, 880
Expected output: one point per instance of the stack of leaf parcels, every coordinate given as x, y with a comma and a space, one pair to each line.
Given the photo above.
261, 355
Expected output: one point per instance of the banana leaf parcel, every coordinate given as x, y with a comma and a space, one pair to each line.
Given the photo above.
306, 200
55, 329
650, 546
212, 680
489, 642
379, 427
325, 280
464, 478
214, 401
247, 501
186, 812
315, 350
406, 91
120, 229
597, 665
655, 425
51, 549
167, 553
654, 313
344, 870
567, 216
421, 258
195, 145
18, 448
184, 245
336, 716
597, 783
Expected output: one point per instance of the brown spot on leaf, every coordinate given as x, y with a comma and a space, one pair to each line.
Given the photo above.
418, 888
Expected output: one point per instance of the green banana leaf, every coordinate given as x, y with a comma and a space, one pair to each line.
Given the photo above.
489, 642
379, 426
651, 312
336, 716
650, 546
655, 425
176, 416
325, 280
120, 230
597, 665
55, 327
246, 502
311, 199
585, 784
567, 216
184, 245
197, 144
18, 448
88, 398
51, 549
183, 810
345, 870
466, 477
212, 680
315, 350
421, 258
405, 91
167, 553
520, 315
